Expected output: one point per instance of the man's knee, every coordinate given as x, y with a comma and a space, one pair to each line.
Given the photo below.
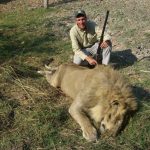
106, 55
77, 63
77, 60
107, 51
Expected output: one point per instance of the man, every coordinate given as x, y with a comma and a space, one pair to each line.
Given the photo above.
85, 36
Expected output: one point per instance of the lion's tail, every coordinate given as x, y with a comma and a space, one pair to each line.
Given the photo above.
44, 73
41, 72
51, 68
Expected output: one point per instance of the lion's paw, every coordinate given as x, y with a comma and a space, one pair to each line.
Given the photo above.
90, 134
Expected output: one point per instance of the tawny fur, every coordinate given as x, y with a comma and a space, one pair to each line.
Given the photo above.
100, 94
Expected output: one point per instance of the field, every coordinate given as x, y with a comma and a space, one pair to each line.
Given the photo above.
33, 115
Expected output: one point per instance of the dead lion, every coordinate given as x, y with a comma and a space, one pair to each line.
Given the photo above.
100, 94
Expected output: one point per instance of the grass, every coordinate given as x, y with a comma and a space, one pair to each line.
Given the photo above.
27, 34
34, 115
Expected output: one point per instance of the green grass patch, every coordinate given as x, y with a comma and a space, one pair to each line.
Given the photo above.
33, 115
29, 34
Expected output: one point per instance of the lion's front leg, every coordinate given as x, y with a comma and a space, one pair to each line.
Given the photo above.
76, 111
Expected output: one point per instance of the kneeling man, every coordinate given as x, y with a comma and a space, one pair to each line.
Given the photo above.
85, 36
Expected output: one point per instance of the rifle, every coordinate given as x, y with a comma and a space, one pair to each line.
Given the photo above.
101, 38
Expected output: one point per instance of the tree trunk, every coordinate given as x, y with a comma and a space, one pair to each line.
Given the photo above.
45, 3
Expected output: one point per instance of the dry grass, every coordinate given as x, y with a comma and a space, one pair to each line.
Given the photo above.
34, 115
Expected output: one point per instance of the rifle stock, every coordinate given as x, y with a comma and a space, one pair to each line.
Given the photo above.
102, 37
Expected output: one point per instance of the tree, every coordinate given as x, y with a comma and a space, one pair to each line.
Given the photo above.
45, 3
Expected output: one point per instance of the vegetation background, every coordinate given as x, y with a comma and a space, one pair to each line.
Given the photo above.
33, 115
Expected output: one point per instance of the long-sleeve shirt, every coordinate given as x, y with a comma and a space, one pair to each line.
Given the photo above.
82, 39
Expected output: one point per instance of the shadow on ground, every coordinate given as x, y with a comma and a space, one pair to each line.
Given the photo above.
122, 59
141, 94
12, 46
5, 1
26, 71
23, 71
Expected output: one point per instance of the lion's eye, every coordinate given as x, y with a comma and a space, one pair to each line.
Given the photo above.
103, 126
115, 102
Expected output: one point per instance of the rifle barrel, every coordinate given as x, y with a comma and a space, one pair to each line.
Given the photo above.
102, 35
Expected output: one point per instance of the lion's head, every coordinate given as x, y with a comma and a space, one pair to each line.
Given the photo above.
116, 104
117, 113
113, 118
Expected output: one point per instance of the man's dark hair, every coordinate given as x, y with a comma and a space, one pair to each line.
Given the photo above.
80, 15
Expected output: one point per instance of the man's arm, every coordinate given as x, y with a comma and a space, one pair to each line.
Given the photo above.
91, 61
77, 49
75, 45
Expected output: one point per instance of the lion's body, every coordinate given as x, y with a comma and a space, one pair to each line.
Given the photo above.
102, 93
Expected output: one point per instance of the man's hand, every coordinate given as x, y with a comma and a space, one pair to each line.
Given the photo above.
91, 61
104, 44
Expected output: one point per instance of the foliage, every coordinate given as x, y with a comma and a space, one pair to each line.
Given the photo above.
34, 115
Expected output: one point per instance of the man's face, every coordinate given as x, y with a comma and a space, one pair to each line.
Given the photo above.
81, 22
